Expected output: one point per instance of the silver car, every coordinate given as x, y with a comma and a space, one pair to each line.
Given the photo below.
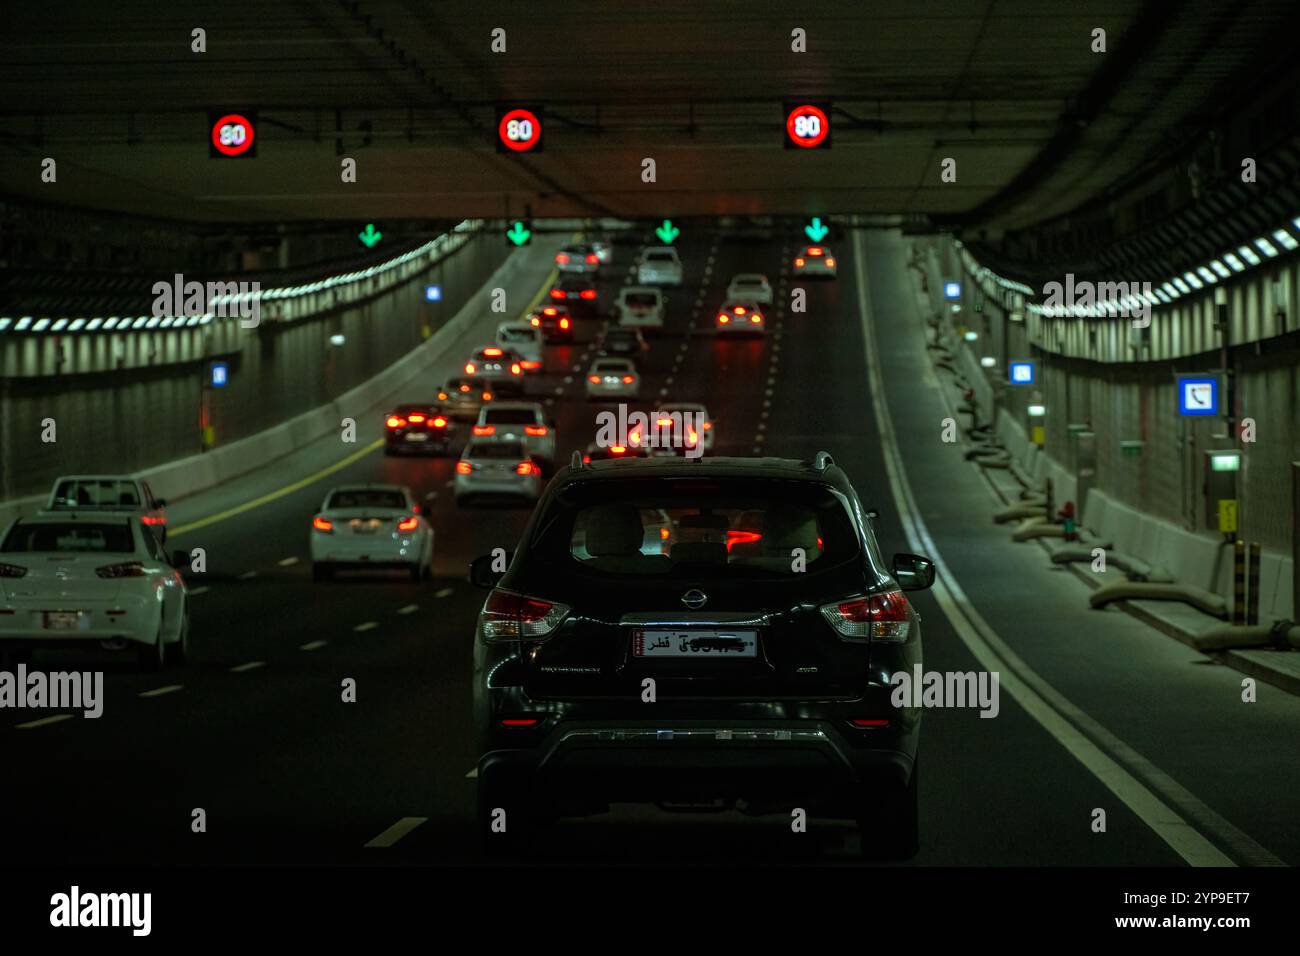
491, 468
580, 258
523, 422
613, 378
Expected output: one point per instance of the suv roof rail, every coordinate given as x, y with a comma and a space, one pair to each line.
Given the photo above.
575, 460
823, 461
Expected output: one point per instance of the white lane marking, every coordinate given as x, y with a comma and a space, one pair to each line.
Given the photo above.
444, 592
44, 721
559, 390
247, 576
451, 482
663, 392
195, 592
250, 666
668, 380
757, 449
409, 609
472, 775
287, 562
398, 830
312, 645
367, 626
577, 367
159, 691
568, 380
1081, 736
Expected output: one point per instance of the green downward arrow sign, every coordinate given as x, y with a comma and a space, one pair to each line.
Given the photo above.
668, 232
518, 234
816, 232
370, 236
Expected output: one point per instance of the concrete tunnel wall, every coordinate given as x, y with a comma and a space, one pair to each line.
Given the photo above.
129, 420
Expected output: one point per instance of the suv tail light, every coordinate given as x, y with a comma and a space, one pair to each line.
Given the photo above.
507, 616
408, 524
484, 429
527, 468
321, 523
874, 617
588, 293
535, 322
830, 262
592, 259
629, 379
537, 431
723, 318
395, 422
127, 569
438, 422
798, 262
557, 293
562, 258
11, 571
464, 467
564, 323
470, 368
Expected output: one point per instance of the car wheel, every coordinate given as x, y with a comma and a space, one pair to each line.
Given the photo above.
321, 571
153, 656
889, 829
178, 652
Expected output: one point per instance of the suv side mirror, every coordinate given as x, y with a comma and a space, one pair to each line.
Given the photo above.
481, 574
913, 572
180, 560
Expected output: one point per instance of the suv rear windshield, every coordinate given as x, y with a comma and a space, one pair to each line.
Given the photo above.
366, 498
70, 537
511, 416
699, 528
96, 493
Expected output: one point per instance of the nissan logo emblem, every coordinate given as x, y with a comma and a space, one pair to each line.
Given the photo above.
695, 598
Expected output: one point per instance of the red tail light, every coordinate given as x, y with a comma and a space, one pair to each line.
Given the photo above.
526, 468
470, 368
464, 468
416, 419
11, 571
152, 520
815, 250
464, 388
515, 369
618, 449
484, 429
322, 524
487, 396
723, 318
550, 310
439, 422
798, 262
592, 260
629, 379
864, 724
493, 353
408, 524
739, 310
742, 537
520, 722
508, 616
128, 569
530, 365
395, 422
830, 262
876, 617
537, 431
588, 293
535, 322
564, 323
708, 426
756, 318
594, 379
557, 293
562, 259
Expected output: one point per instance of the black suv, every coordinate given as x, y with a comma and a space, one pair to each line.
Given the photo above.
698, 634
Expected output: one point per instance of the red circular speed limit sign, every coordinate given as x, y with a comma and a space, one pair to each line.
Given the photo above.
807, 126
520, 130
232, 135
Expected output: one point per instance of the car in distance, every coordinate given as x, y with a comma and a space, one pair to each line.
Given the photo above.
740, 318
603, 249
815, 261
659, 265
92, 578
489, 468
640, 307
576, 292
419, 429
598, 452
613, 378
754, 594
523, 422
697, 425
623, 341
750, 287
498, 369
555, 322
578, 258
103, 493
463, 397
370, 526
524, 339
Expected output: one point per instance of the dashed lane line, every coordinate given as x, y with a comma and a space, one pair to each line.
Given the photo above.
394, 833
312, 645
250, 666
44, 721
160, 691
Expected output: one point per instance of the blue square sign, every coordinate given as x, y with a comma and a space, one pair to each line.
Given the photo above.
220, 374
1021, 373
433, 293
952, 290
1198, 395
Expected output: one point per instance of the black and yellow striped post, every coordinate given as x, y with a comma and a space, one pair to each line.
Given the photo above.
1252, 613
1239, 582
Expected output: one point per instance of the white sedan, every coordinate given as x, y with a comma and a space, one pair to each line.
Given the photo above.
489, 468
750, 287
92, 578
815, 261
366, 526
613, 378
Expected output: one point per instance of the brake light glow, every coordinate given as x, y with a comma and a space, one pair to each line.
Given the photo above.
756, 318
692, 436
742, 537
515, 369
526, 468
535, 322
416, 419
830, 262
739, 310
663, 421
484, 429
321, 523
464, 468
395, 422
663, 534
11, 571
876, 617
550, 310
557, 293
564, 323
152, 520
470, 368
594, 379
592, 260
439, 422
629, 379
530, 365
799, 261
127, 569
464, 388
508, 616
537, 431
562, 258
588, 293
814, 250
634, 438
487, 396
492, 353
408, 524
723, 319
618, 449
708, 426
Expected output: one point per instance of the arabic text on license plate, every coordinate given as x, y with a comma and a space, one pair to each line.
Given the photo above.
718, 644
65, 620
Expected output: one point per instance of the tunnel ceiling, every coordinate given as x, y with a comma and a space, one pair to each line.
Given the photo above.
1038, 123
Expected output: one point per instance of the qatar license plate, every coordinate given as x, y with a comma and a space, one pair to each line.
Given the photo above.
696, 644
66, 621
